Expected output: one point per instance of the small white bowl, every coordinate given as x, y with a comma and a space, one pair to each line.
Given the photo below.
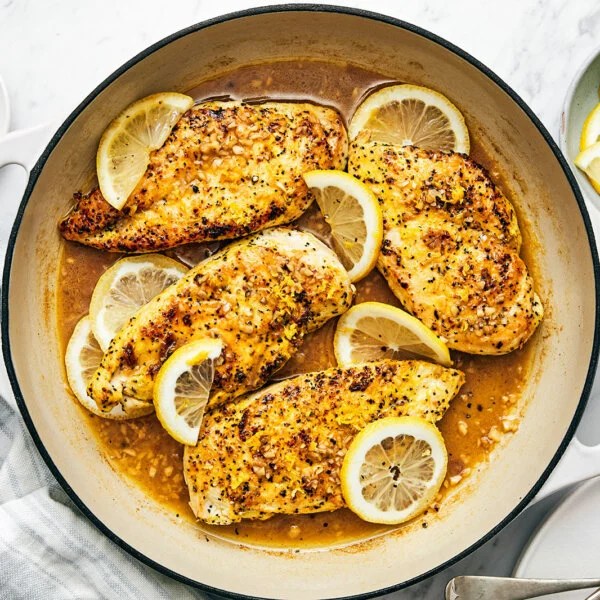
581, 98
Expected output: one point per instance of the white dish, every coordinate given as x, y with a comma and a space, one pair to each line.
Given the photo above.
566, 545
581, 98
4, 109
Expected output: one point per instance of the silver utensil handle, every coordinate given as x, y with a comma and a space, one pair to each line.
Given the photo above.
509, 588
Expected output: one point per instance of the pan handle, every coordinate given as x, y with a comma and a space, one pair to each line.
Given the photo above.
578, 463
22, 148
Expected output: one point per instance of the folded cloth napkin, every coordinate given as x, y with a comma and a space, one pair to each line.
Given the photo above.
48, 548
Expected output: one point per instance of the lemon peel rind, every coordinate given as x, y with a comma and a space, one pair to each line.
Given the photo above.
408, 91
131, 407
350, 185
348, 322
374, 434
190, 354
105, 168
108, 281
583, 161
590, 132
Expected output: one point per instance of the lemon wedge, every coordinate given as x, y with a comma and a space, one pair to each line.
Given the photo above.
372, 330
393, 469
125, 287
589, 162
590, 134
82, 359
182, 388
353, 213
125, 146
411, 115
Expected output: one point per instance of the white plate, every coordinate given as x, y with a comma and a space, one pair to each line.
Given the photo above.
4, 109
567, 545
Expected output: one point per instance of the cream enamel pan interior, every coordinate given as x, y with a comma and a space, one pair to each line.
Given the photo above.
565, 355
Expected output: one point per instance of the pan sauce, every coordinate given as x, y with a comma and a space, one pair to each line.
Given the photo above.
142, 451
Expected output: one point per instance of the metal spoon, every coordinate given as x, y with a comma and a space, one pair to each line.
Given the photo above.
509, 588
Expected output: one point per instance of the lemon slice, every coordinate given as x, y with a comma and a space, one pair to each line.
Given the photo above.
125, 146
372, 330
182, 388
589, 162
393, 469
411, 115
129, 284
590, 134
82, 358
353, 213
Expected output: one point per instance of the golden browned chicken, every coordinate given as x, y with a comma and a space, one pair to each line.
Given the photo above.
260, 296
227, 170
451, 245
280, 450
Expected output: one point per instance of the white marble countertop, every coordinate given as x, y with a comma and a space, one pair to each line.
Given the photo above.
52, 54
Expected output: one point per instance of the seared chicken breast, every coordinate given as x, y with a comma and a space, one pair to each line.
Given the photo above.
280, 450
260, 296
451, 246
228, 169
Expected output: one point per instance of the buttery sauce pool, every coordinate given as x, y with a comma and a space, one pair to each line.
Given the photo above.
143, 452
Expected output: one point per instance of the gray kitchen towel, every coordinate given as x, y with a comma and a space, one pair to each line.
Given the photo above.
48, 549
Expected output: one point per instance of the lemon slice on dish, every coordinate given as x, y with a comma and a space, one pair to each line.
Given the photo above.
125, 287
590, 134
125, 146
589, 162
372, 331
353, 213
182, 388
394, 469
82, 359
411, 115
